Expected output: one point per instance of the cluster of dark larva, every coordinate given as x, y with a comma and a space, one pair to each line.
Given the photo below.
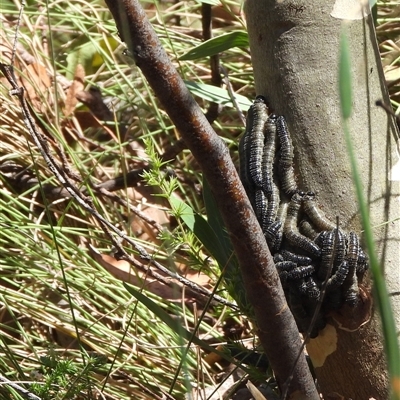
317, 262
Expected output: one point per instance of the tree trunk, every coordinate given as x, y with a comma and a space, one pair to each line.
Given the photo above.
295, 55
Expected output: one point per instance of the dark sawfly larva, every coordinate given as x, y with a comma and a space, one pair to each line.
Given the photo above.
320, 238
315, 214
350, 285
362, 262
298, 259
291, 232
285, 265
337, 279
308, 287
340, 248
278, 258
269, 154
261, 203
273, 235
245, 143
307, 229
299, 272
256, 118
351, 291
286, 154
282, 211
353, 250
273, 205
286, 171
288, 181
327, 257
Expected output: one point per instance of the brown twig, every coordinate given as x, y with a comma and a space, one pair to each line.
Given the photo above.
206, 21
389, 111
276, 327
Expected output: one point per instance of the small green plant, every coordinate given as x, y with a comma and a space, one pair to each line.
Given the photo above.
63, 378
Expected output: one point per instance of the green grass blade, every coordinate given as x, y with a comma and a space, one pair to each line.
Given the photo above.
200, 227
172, 323
212, 2
217, 45
217, 95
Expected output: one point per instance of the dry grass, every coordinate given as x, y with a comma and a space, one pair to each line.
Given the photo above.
65, 316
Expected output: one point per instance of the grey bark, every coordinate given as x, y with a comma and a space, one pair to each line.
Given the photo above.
295, 55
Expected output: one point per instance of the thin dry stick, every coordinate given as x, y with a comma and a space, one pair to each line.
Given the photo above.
232, 94
135, 210
24, 392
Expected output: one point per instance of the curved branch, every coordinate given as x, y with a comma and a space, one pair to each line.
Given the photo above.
276, 327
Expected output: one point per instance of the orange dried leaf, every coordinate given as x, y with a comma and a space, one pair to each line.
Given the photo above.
123, 271
77, 85
36, 83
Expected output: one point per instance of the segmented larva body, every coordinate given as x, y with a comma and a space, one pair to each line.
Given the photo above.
300, 272
244, 157
340, 248
327, 257
362, 263
286, 156
288, 182
284, 268
284, 265
286, 171
257, 116
309, 288
350, 285
269, 154
296, 273
298, 259
320, 238
273, 235
261, 203
307, 229
353, 250
282, 211
291, 232
244, 172
273, 205
337, 279
315, 214
351, 291
294, 208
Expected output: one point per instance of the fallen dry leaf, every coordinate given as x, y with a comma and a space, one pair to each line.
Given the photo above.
77, 86
36, 83
123, 271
